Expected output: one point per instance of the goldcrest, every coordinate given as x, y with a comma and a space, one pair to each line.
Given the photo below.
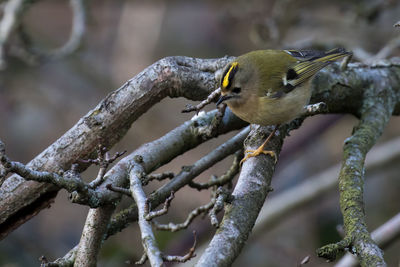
271, 87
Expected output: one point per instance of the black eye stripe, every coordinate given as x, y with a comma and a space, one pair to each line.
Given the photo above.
291, 74
236, 90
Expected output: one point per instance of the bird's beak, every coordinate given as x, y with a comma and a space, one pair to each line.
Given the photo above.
223, 98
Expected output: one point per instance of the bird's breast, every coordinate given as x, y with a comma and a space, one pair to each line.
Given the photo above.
272, 111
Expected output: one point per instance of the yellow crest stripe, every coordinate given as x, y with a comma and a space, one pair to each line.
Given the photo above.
227, 77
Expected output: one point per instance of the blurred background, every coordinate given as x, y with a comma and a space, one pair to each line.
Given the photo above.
39, 102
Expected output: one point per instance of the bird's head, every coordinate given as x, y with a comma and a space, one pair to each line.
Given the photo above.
234, 83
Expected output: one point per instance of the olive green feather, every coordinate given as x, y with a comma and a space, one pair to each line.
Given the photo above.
310, 62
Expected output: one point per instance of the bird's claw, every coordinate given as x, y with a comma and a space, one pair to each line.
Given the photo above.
255, 153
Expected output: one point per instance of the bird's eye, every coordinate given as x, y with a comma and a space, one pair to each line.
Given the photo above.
236, 90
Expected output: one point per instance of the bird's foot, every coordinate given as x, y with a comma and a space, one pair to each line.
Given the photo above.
258, 151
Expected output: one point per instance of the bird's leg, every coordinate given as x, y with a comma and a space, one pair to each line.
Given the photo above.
260, 149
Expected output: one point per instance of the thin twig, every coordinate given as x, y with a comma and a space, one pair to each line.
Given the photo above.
213, 207
227, 177
186, 257
208, 100
103, 160
172, 227
142, 260
148, 240
388, 49
221, 196
152, 214
305, 260
124, 191
69, 180
212, 128
158, 177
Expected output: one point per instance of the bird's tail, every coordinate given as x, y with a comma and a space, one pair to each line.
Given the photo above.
332, 55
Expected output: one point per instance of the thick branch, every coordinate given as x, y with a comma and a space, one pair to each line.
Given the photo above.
174, 76
375, 113
342, 92
110, 120
159, 152
162, 151
92, 236
234, 230
183, 178
248, 197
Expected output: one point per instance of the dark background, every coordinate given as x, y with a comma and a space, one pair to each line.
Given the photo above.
39, 103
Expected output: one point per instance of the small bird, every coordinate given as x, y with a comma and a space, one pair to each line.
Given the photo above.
271, 87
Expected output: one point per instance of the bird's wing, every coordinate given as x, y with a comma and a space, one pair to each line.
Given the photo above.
308, 64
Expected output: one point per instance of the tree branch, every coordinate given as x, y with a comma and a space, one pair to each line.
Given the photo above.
159, 152
229, 240
383, 236
174, 76
248, 197
178, 76
92, 236
287, 202
148, 240
121, 220
375, 113
227, 177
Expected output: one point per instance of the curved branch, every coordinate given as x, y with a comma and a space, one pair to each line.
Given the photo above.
175, 76
377, 108
110, 120
341, 91
73, 43
12, 11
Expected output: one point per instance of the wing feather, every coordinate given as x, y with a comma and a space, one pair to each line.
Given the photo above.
310, 62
